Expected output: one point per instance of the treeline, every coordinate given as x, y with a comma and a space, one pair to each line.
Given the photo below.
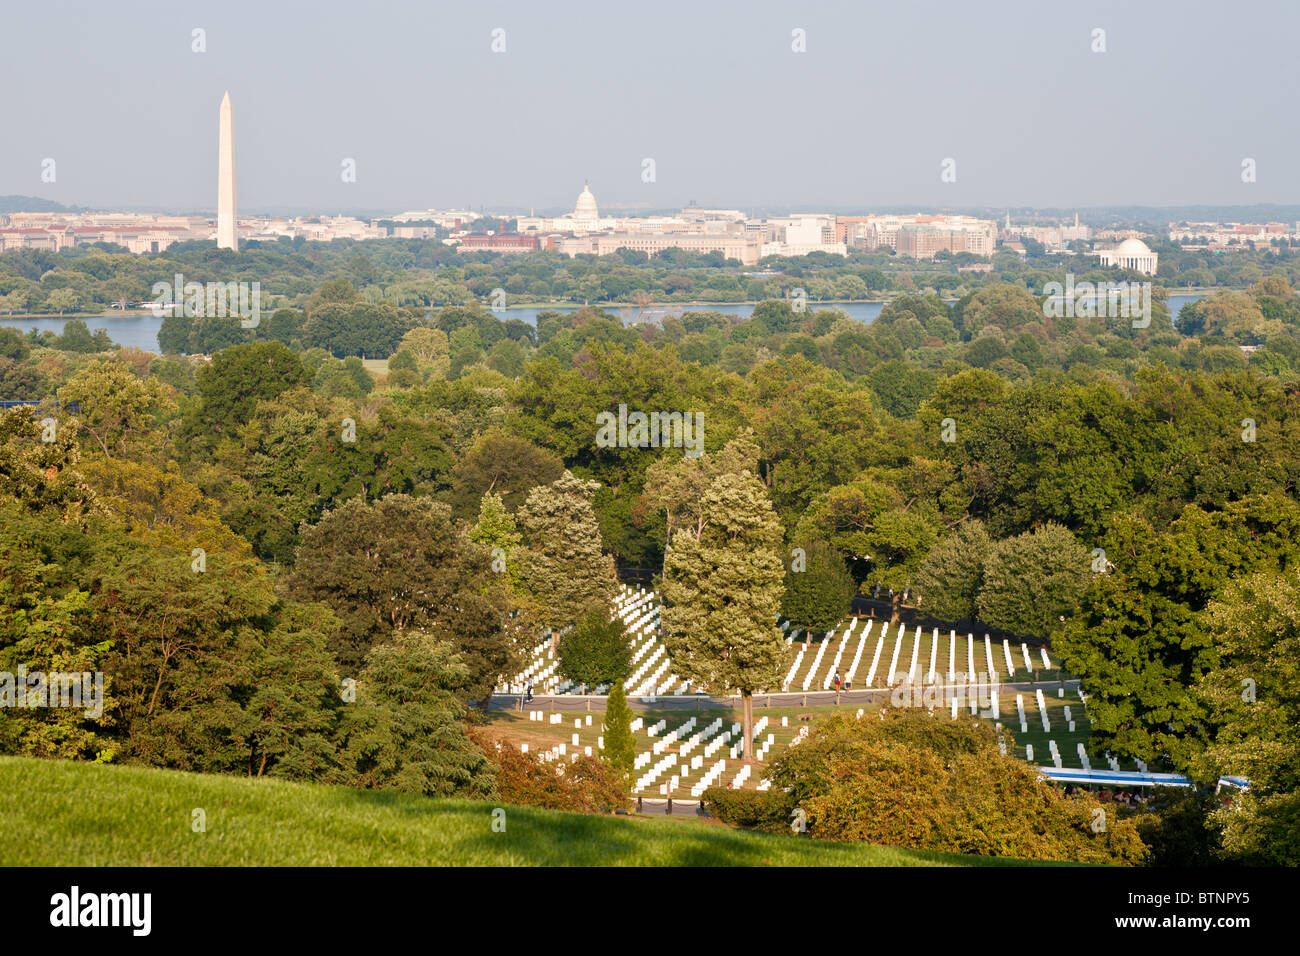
424, 274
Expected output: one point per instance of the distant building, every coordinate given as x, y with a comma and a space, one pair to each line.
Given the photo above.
799, 235
978, 237
743, 248
1130, 254
1054, 237
51, 240
921, 236
509, 242
584, 219
1229, 233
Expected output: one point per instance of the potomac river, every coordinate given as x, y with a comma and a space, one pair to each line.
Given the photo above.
140, 330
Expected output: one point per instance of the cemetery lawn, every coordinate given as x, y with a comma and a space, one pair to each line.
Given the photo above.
61, 813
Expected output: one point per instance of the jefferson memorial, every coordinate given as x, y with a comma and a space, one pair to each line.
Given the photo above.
1130, 254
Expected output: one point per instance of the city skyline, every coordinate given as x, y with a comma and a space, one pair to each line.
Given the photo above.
730, 113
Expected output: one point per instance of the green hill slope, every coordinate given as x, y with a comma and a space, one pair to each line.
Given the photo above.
86, 814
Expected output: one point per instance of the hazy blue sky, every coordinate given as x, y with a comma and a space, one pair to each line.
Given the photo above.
710, 90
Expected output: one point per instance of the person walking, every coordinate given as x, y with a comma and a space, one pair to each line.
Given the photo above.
528, 694
837, 687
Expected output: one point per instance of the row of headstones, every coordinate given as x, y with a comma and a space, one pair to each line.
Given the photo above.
839, 654
562, 749
894, 673
1083, 758
817, 659
700, 736
669, 762
673, 736
857, 655
538, 668
709, 778
662, 765
665, 762
634, 683
698, 760
541, 668
794, 667
640, 618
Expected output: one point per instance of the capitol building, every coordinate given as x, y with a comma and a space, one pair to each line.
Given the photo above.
584, 219
1130, 254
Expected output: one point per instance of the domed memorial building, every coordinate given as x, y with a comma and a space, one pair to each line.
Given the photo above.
1130, 254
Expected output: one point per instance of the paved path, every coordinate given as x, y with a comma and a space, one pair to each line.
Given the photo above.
698, 703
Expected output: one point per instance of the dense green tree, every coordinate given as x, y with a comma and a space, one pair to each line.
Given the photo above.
951, 575
722, 592
818, 587
563, 565
116, 407
877, 532
1252, 700
361, 329
1141, 639
231, 385
596, 651
502, 464
901, 387
406, 731
495, 530
1033, 580
399, 563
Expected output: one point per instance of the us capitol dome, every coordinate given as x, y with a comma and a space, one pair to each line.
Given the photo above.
586, 205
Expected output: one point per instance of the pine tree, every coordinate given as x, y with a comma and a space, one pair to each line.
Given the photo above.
620, 745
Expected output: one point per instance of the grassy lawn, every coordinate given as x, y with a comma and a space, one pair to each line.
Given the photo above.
67, 813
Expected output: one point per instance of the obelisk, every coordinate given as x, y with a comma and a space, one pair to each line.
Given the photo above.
227, 236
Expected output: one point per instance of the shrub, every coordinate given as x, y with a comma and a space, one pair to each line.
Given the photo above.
752, 809
916, 780
1176, 828
586, 785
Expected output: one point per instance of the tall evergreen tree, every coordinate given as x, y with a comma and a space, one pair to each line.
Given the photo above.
620, 745
722, 591
563, 565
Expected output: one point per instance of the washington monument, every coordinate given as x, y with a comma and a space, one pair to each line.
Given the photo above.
227, 236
